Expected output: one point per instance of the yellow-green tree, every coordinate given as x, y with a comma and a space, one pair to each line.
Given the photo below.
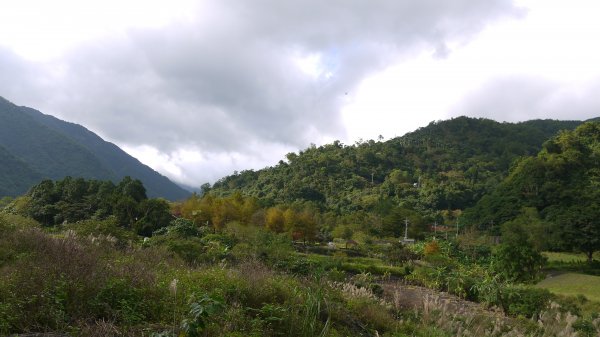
275, 220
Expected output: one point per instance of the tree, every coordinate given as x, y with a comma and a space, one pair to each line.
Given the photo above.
306, 225
132, 188
394, 223
274, 220
126, 210
515, 258
560, 184
248, 208
580, 224
205, 189
223, 212
155, 214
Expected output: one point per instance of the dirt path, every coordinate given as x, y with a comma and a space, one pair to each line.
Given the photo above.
420, 298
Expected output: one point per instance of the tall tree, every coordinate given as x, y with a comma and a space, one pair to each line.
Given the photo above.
516, 258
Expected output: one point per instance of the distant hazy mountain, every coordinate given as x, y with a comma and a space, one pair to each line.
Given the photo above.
34, 146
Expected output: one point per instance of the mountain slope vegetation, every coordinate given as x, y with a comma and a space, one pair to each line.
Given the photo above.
444, 166
46, 147
556, 192
15, 175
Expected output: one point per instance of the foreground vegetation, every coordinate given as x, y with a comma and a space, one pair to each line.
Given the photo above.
95, 279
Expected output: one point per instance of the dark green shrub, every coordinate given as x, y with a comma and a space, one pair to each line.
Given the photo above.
336, 275
524, 301
191, 250
585, 328
103, 230
570, 304
180, 227
321, 250
223, 239
271, 317
399, 254
296, 265
120, 301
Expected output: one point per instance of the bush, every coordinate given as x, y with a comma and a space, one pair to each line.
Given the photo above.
202, 310
190, 250
399, 254
372, 314
119, 301
431, 248
107, 230
51, 283
586, 328
524, 301
296, 265
181, 228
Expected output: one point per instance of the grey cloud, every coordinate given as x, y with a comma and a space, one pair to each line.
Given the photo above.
226, 79
20, 78
215, 84
521, 98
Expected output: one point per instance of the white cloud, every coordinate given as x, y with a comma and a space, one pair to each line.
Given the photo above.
192, 167
197, 89
41, 30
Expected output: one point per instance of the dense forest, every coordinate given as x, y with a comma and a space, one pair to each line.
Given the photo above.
447, 165
556, 192
71, 200
478, 174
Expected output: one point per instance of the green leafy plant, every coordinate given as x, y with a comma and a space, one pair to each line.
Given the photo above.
201, 311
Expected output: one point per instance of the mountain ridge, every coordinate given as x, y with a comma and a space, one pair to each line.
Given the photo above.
442, 166
55, 149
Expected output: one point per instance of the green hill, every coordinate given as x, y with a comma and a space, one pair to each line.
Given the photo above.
445, 165
41, 146
555, 193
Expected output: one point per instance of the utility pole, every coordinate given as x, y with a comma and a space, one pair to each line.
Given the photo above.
435, 229
405, 229
457, 227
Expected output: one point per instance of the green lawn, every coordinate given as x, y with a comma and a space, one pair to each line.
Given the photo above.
574, 284
565, 257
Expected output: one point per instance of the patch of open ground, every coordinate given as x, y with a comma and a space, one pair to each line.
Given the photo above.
564, 257
573, 284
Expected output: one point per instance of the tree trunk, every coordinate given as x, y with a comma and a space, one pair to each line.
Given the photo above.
590, 256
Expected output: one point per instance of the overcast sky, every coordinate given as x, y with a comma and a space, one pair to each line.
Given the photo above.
199, 88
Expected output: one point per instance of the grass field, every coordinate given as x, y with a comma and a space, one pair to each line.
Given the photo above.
564, 257
574, 284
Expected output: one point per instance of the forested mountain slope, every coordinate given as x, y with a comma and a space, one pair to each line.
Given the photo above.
446, 165
556, 192
15, 175
46, 147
